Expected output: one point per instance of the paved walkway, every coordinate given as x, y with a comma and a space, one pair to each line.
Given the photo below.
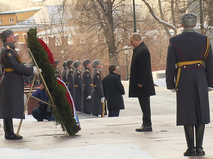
167, 141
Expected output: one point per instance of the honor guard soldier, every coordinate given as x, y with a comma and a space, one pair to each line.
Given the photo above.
97, 97
57, 70
189, 73
69, 76
87, 87
63, 73
12, 89
77, 86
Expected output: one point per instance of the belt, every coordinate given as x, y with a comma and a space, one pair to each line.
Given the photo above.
8, 70
90, 84
76, 85
184, 64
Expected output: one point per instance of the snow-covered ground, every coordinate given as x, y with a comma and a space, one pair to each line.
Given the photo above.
85, 152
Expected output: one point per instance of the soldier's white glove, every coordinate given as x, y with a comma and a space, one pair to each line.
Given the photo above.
210, 88
102, 99
173, 90
89, 97
36, 71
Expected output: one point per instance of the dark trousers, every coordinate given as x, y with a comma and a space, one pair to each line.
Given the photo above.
40, 115
113, 113
145, 107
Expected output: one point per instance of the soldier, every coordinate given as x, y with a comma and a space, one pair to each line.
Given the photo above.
11, 89
57, 70
190, 62
87, 87
69, 76
77, 85
63, 73
97, 97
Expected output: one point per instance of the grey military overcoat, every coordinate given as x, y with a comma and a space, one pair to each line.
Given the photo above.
77, 90
11, 88
192, 93
97, 93
87, 89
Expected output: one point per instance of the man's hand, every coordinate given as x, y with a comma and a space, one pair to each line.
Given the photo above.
140, 85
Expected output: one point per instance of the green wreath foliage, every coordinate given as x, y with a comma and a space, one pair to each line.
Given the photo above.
63, 110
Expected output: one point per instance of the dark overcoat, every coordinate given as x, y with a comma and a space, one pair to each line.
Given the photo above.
87, 89
63, 76
69, 78
194, 79
57, 72
141, 73
11, 88
97, 92
113, 91
77, 90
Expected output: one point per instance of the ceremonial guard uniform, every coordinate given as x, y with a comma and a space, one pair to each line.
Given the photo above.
189, 72
57, 70
77, 86
69, 76
63, 73
87, 88
11, 88
97, 97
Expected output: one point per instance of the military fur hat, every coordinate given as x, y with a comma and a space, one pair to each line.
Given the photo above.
56, 62
188, 19
69, 62
5, 33
86, 62
64, 64
95, 63
76, 64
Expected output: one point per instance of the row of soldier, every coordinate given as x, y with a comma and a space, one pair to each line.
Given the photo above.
86, 90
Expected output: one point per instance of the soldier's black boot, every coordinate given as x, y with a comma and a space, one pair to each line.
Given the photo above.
189, 133
199, 140
8, 129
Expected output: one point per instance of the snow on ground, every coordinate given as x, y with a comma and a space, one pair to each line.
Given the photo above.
160, 82
83, 152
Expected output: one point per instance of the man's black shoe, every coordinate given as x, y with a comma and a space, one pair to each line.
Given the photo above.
12, 136
200, 152
189, 152
144, 129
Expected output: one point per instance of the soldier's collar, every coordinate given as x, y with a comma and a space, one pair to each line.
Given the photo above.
11, 45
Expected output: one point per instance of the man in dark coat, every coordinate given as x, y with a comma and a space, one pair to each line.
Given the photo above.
190, 62
87, 87
77, 86
141, 82
63, 73
11, 88
97, 97
113, 91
